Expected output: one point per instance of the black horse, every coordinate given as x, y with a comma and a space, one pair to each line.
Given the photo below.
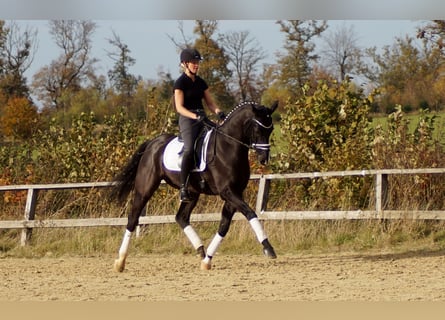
227, 172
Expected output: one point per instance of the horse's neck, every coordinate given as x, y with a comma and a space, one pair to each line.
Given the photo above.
235, 125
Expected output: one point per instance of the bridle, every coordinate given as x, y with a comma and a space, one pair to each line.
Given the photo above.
252, 145
261, 146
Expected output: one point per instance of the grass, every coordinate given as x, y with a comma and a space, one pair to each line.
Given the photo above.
413, 118
288, 237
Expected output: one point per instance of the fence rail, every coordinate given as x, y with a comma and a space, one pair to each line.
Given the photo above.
381, 186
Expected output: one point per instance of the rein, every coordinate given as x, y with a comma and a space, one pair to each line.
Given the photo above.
252, 146
216, 128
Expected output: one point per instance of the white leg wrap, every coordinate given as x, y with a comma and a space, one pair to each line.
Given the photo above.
125, 243
193, 236
213, 246
258, 229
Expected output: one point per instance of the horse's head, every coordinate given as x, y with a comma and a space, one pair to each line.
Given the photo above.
259, 129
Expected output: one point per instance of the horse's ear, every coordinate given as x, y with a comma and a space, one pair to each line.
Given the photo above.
274, 107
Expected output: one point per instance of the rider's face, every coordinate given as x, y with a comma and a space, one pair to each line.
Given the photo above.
193, 65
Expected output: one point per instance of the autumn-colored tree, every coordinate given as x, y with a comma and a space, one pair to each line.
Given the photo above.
214, 66
19, 118
433, 35
406, 73
295, 63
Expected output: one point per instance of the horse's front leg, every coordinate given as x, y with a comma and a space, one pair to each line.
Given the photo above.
254, 222
183, 219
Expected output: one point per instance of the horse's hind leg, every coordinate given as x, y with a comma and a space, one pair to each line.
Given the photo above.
139, 203
224, 225
183, 219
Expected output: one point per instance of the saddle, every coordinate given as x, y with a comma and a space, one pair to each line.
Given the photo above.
172, 156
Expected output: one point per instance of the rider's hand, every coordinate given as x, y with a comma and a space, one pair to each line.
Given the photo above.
221, 115
200, 117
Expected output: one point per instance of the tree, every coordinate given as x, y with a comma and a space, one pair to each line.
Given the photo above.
244, 55
341, 52
3, 34
295, 64
214, 66
19, 118
433, 33
407, 74
54, 83
185, 42
17, 50
120, 77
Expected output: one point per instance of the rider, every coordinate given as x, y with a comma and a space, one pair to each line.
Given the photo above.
189, 91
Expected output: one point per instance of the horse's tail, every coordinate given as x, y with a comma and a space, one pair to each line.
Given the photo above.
124, 181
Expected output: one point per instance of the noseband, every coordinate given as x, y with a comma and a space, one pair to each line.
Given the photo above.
261, 146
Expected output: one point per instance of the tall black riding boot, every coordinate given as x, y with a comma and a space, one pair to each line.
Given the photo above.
186, 167
184, 194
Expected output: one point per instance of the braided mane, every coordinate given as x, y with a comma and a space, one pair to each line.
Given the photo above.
239, 106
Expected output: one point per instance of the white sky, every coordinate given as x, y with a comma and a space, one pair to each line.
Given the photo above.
153, 50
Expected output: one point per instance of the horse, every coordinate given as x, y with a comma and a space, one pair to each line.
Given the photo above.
227, 172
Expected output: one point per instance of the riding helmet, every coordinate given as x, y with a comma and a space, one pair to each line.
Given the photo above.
189, 54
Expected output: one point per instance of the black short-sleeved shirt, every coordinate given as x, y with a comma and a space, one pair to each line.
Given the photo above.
193, 91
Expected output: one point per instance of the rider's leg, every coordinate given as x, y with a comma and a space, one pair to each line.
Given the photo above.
189, 131
186, 167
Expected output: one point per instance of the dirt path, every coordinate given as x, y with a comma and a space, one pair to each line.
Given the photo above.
415, 276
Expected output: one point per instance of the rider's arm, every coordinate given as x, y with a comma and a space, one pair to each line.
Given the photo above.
179, 105
209, 102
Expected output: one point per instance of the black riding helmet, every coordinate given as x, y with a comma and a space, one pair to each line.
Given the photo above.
189, 54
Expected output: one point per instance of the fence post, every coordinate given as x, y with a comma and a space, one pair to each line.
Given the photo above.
263, 195
30, 210
384, 191
381, 193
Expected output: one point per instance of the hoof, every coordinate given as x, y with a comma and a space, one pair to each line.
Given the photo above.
268, 250
119, 265
206, 266
270, 253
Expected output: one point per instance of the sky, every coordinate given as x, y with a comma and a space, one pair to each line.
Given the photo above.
150, 44
145, 25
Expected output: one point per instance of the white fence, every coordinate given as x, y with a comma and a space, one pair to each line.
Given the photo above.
381, 179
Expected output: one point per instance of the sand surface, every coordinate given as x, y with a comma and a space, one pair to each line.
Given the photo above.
414, 276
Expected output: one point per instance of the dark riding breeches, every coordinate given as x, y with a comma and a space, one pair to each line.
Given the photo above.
189, 129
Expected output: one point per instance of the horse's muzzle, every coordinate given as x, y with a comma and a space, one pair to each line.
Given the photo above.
262, 150
264, 160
